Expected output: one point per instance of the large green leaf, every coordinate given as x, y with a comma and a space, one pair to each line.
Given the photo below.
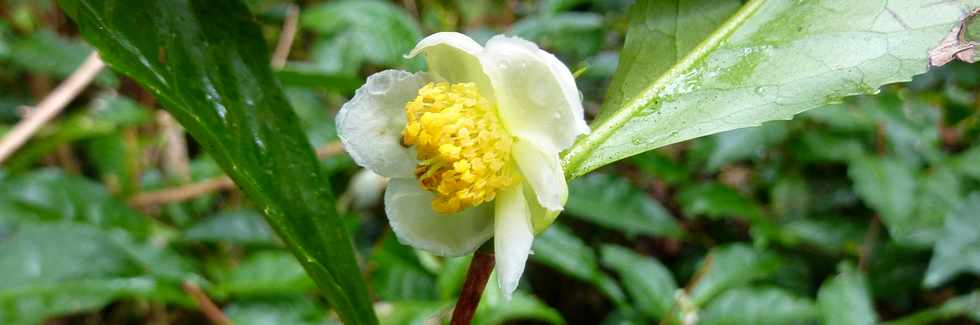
660, 33
208, 64
614, 202
958, 249
731, 266
770, 60
844, 299
889, 187
60, 268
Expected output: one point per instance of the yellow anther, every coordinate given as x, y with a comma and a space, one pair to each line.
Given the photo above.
462, 148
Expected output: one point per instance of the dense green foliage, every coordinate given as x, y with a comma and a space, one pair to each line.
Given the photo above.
866, 210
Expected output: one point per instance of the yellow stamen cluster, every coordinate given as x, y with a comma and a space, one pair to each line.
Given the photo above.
462, 148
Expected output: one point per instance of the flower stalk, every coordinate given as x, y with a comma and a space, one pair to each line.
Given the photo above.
476, 282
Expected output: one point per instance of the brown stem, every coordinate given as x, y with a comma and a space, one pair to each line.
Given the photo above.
476, 281
50, 106
210, 310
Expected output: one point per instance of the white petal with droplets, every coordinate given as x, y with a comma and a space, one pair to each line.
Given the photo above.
535, 93
513, 235
370, 124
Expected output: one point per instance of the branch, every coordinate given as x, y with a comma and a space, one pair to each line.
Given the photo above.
285, 37
51, 105
210, 310
476, 281
193, 190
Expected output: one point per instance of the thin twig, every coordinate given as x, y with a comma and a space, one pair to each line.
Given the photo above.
210, 310
51, 105
193, 190
867, 249
476, 281
175, 161
286, 37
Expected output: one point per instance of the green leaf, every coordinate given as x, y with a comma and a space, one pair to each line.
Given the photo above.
770, 60
952, 308
240, 227
411, 312
658, 165
50, 195
731, 266
745, 143
717, 201
790, 197
830, 234
60, 56
558, 248
968, 163
574, 35
889, 187
108, 114
958, 248
296, 310
660, 33
612, 201
209, 66
844, 299
61, 268
494, 309
758, 306
271, 273
382, 32
449, 280
649, 283
398, 275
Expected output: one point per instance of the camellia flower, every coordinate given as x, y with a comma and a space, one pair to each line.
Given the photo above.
471, 146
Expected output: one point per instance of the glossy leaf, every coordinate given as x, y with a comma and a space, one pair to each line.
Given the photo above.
958, 248
844, 299
651, 285
209, 66
494, 309
615, 203
770, 60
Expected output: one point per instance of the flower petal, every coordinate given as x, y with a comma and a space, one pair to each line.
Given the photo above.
409, 210
453, 56
513, 235
542, 171
536, 94
541, 217
370, 124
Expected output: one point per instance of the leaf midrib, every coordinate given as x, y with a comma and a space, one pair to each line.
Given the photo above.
573, 158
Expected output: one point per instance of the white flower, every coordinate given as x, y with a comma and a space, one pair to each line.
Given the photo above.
471, 146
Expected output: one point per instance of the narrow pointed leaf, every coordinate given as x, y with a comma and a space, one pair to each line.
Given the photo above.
207, 63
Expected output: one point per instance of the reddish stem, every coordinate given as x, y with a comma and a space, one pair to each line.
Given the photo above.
476, 281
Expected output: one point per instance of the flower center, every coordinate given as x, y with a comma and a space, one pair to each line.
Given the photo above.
463, 149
